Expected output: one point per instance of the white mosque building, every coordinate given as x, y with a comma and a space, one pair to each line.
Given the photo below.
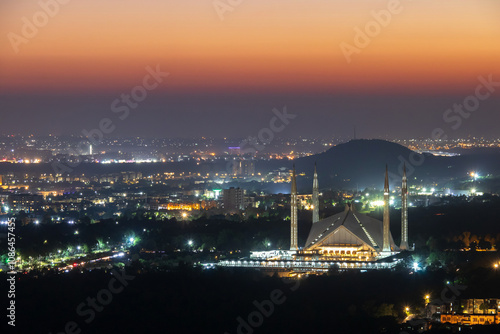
347, 240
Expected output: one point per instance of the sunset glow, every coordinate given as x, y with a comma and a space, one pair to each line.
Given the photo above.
259, 46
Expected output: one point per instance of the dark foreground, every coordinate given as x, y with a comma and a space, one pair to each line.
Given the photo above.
192, 301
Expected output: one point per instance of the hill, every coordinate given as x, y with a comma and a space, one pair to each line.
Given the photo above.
361, 164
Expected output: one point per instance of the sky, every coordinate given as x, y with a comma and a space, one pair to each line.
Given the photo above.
230, 65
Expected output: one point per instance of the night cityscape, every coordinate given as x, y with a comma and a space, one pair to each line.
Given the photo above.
250, 167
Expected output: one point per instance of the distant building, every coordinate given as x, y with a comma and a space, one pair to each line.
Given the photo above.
234, 199
244, 168
25, 202
471, 312
234, 150
4, 201
179, 206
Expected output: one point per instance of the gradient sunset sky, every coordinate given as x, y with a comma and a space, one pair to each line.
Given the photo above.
229, 74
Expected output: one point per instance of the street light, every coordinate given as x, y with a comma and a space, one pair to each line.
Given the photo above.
427, 299
190, 242
415, 266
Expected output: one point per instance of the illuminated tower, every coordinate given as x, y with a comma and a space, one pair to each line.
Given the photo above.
315, 197
387, 246
293, 218
404, 212
91, 151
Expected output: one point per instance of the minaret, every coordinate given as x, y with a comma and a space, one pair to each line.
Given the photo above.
294, 218
404, 212
315, 197
387, 246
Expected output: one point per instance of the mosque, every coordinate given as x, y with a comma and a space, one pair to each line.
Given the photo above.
347, 240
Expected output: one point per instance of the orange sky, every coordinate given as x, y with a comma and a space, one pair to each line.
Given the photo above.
261, 45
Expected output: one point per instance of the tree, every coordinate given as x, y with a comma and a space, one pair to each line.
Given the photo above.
483, 244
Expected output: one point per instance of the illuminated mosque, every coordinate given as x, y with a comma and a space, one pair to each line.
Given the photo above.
347, 240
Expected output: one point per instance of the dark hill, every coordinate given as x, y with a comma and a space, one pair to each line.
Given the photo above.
361, 164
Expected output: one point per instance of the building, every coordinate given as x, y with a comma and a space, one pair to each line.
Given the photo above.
294, 241
315, 196
244, 168
471, 312
347, 240
348, 236
233, 199
179, 206
25, 202
352, 236
234, 150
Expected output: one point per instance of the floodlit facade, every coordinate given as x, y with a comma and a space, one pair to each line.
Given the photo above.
347, 236
472, 312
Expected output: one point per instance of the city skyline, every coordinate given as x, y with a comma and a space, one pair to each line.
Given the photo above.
244, 166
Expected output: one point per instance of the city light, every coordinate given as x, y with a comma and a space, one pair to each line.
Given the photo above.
427, 299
